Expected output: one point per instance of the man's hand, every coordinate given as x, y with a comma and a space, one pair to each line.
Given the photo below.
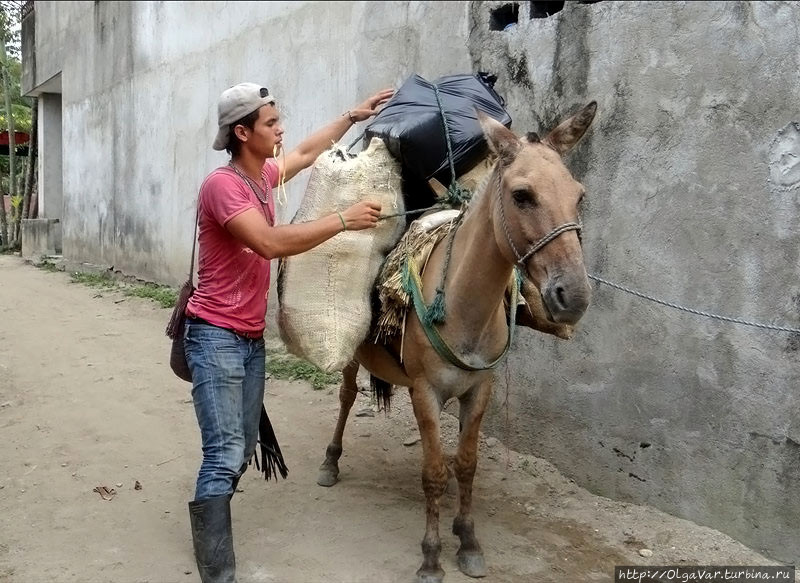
369, 107
304, 155
362, 215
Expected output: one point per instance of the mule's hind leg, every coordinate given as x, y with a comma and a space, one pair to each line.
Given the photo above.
329, 470
472, 406
434, 479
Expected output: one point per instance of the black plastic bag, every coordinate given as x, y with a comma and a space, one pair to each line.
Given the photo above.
411, 124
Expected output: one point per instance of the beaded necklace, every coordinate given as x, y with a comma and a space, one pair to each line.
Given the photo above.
264, 196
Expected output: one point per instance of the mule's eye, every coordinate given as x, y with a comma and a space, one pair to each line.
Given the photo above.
522, 197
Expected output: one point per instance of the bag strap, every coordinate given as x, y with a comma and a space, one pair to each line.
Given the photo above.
194, 242
175, 325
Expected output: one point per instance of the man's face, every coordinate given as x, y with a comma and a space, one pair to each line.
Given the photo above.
266, 133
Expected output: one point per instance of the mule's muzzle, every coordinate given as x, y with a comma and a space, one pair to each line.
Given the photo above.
566, 298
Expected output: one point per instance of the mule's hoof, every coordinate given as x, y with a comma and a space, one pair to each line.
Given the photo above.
472, 564
430, 576
327, 478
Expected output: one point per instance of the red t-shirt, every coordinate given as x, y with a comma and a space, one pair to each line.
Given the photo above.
233, 280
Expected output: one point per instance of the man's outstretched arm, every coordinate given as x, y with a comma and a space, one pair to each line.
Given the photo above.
252, 229
309, 149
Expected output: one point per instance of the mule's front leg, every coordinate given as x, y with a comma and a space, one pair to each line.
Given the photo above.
434, 480
472, 406
329, 470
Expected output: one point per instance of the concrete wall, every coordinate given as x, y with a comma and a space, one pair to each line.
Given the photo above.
692, 177
28, 48
140, 82
51, 194
40, 237
693, 196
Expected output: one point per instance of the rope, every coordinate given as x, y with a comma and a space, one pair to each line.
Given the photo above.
430, 208
436, 312
456, 196
549, 237
456, 193
446, 134
692, 310
412, 283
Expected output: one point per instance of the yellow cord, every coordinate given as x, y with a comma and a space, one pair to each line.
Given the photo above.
282, 185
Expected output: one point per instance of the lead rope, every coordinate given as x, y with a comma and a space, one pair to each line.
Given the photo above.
692, 310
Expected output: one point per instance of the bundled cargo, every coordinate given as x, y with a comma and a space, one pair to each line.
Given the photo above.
324, 293
411, 123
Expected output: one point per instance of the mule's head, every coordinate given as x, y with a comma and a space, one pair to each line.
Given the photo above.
535, 197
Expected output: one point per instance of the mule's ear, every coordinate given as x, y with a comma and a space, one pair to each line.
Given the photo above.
502, 141
569, 132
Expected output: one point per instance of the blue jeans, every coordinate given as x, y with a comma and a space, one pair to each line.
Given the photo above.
228, 392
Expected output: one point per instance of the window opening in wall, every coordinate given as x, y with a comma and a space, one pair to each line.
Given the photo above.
504, 17
545, 9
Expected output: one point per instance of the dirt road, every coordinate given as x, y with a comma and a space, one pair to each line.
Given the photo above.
87, 400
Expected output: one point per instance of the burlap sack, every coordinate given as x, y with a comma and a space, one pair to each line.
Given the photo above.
324, 294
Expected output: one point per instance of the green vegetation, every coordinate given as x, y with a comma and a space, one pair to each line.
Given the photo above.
287, 367
163, 295
101, 280
47, 265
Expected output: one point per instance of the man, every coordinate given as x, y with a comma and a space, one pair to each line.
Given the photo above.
224, 340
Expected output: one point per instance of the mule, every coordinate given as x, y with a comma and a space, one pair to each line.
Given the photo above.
526, 215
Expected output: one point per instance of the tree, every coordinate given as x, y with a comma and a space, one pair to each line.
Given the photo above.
30, 168
16, 113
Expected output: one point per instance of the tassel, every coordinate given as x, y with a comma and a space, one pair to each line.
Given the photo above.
271, 456
436, 311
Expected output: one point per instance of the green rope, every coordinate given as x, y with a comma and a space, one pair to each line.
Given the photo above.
446, 135
413, 285
456, 196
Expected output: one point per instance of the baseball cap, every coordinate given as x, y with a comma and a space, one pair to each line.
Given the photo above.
235, 103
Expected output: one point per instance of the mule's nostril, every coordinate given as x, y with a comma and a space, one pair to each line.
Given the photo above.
561, 297
565, 299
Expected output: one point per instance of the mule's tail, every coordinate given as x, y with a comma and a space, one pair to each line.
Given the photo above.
382, 392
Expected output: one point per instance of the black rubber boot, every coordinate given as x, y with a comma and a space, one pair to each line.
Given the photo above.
213, 542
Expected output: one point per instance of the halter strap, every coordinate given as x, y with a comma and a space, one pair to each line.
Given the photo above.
547, 238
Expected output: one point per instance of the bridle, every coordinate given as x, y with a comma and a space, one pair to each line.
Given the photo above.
538, 245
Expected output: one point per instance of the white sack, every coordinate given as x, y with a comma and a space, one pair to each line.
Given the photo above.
324, 294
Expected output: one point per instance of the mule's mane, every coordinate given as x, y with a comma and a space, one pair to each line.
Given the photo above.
482, 186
